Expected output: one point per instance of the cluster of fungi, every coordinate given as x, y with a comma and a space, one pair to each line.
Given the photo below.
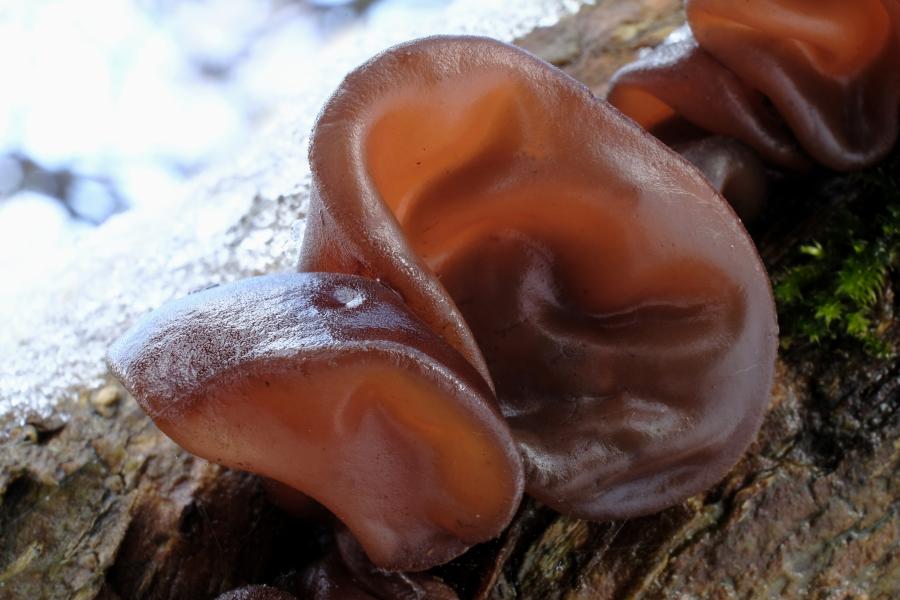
507, 287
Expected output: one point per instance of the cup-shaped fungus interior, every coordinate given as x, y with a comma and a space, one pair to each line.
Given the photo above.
327, 384
375, 441
621, 309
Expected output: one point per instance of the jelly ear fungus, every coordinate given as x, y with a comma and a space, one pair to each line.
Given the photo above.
609, 294
680, 94
790, 79
831, 68
328, 384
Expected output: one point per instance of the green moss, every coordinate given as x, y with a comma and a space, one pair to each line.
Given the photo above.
831, 285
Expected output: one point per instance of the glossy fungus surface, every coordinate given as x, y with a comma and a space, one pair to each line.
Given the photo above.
328, 384
597, 280
827, 70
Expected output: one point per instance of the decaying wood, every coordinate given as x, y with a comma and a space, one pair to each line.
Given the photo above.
105, 506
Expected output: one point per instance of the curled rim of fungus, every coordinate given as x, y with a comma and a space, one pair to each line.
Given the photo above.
678, 92
830, 67
326, 383
613, 298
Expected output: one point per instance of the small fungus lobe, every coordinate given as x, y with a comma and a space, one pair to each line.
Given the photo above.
360, 407
792, 79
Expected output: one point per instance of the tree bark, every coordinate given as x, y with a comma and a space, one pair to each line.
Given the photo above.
102, 505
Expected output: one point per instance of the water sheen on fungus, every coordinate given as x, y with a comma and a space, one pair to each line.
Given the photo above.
327, 383
779, 75
594, 278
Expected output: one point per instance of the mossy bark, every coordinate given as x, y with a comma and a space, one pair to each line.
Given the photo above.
104, 506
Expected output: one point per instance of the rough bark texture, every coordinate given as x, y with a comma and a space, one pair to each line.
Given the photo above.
105, 506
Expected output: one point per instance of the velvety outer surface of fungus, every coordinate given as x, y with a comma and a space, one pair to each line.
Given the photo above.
609, 294
829, 68
326, 383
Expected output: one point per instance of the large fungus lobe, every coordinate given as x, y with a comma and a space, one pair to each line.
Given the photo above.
610, 296
327, 383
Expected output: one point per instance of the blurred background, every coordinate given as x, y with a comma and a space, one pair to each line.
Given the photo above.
113, 104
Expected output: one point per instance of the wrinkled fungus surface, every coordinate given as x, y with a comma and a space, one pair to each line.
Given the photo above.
789, 78
608, 293
328, 384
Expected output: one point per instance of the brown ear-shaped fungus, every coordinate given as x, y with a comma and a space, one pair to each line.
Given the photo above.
329, 385
347, 574
678, 92
830, 67
621, 310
